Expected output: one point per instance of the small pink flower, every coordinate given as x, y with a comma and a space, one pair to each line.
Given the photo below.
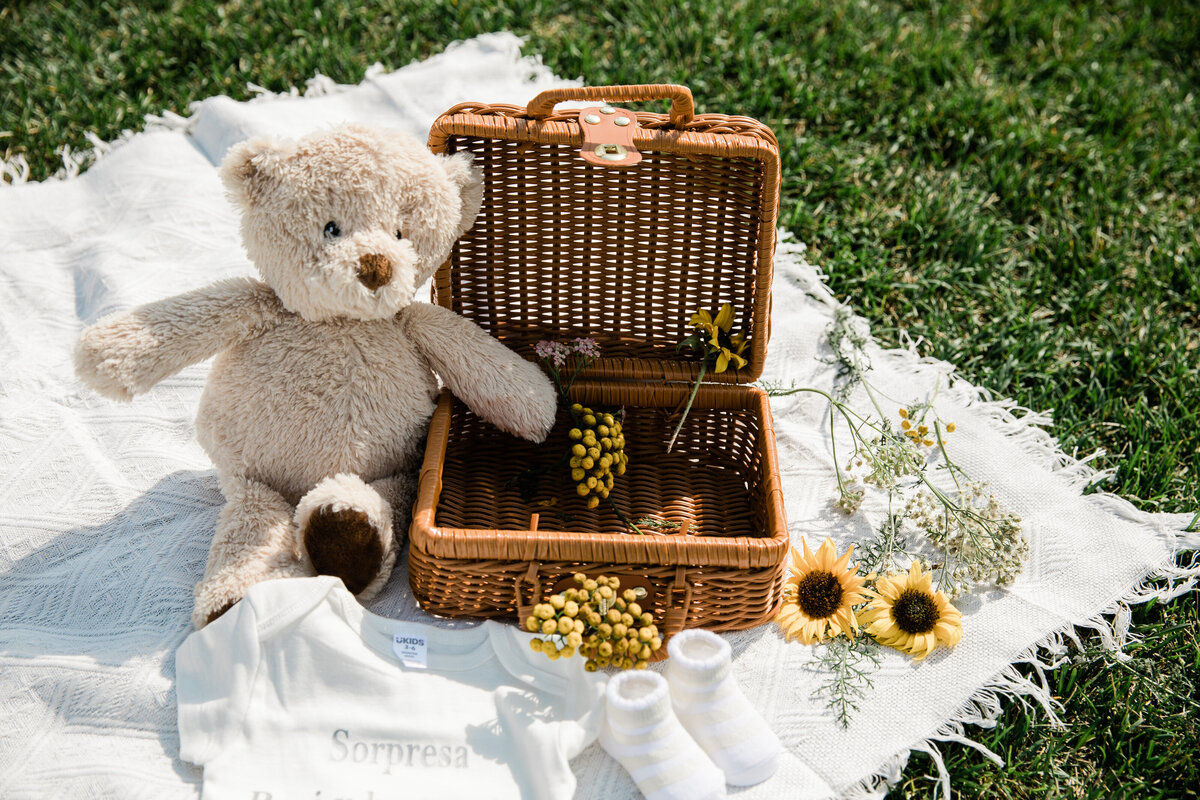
588, 348
552, 352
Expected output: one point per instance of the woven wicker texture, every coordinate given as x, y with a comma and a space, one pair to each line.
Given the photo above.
708, 597
565, 249
471, 535
720, 479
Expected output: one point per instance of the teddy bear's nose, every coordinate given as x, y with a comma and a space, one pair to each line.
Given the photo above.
374, 270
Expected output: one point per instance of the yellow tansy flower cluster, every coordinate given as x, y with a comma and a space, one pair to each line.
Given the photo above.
918, 433
597, 453
603, 624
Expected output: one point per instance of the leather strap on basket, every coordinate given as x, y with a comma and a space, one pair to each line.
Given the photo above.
682, 107
677, 612
608, 136
525, 609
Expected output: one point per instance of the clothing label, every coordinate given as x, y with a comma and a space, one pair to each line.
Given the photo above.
411, 648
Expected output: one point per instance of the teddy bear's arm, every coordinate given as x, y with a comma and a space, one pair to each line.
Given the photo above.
127, 353
497, 384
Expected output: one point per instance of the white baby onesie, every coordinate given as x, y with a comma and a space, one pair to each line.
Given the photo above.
299, 693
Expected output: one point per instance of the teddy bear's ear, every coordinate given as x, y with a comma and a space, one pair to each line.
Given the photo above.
250, 165
469, 180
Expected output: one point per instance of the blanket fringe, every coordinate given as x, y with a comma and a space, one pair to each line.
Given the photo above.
14, 170
983, 709
1025, 428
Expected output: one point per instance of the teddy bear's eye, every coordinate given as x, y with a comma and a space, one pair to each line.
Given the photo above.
332, 231
399, 234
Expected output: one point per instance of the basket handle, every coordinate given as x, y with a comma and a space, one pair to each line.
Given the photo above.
682, 107
677, 612
534, 581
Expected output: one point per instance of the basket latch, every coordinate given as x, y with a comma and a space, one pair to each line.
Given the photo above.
608, 136
677, 612
525, 609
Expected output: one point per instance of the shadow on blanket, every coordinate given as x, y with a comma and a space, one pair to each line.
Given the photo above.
118, 590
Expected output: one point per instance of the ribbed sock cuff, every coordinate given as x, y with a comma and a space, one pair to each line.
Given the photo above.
637, 700
699, 658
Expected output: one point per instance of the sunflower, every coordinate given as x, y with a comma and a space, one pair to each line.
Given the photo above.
905, 613
726, 346
820, 595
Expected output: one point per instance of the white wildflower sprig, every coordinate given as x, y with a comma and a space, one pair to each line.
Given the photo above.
847, 666
888, 550
980, 540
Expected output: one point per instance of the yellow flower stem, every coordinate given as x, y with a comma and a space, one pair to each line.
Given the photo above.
565, 391
874, 401
580, 364
624, 518
688, 407
951, 467
837, 469
886, 563
845, 412
849, 415
558, 385
944, 578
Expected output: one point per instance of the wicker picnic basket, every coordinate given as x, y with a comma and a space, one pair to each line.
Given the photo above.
621, 241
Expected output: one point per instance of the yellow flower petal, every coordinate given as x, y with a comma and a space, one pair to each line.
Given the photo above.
889, 590
841, 619
879, 618
845, 621
808, 556
724, 319
825, 555
722, 362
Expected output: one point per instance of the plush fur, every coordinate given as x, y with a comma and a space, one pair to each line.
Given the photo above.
322, 387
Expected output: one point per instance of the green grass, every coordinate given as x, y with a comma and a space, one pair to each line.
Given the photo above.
1017, 183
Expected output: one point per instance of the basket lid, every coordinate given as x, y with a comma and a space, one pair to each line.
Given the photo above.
622, 253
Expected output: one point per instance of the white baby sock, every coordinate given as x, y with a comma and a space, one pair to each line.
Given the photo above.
714, 711
642, 733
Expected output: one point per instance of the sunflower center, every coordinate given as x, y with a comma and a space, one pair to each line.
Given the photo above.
724, 340
819, 594
915, 612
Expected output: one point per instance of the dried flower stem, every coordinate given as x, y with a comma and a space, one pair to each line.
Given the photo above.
688, 407
628, 522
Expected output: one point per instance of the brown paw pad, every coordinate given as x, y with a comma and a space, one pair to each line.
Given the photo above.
345, 544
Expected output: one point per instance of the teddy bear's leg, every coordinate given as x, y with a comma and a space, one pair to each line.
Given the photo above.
255, 542
345, 527
399, 491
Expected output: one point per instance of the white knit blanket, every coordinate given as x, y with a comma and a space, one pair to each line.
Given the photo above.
108, 509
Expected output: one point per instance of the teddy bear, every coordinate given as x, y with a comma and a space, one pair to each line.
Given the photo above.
315, 410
